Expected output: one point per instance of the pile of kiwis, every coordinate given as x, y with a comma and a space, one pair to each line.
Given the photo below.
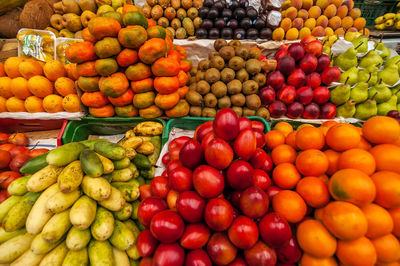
181, 17
230, 78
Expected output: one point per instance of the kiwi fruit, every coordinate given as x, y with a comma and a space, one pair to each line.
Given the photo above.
236, 63
203, 87
248, 112
250, 87
176, 23
200, 75
195, 111
227, 75
224, 102
242, 51
235, 43
261, 79
227, 52
192, 80
204, 65
210, 100
180, 33
192, 13
194, 98
193, 86
253, 101
164, 22
151, 2
186, 4
193, 71
242, 75
238, 99
238, 110
176, 4
217, 62
234, 87
212, 75
208, 112
263, 112
253, 66
212, 54
181, 13
219, 89
219, 43
254, 53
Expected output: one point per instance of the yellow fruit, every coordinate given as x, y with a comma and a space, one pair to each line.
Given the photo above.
389, 23
389, 16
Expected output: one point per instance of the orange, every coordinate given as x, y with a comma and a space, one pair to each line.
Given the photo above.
314, 239
387, 157
357, 159
11, 67
324, 130
71, 103
40, 86
310, 138
314, 191
53, 70
308, 260
381, 129
283, 154
290, 205
333, 159
274, 138
71, 71
53, 103
14, 104
29, 68
387, 189
395, 214
329, 123
312, 162
318, 214
364, 144
3, 107
284, 127
353, 186
286, 176
34, 104
65, 86
359, 251
5, 87
344, 220
397, 143
387, 248
304, 125
379, 220
343, 137
19, 87
2, 72
291, 139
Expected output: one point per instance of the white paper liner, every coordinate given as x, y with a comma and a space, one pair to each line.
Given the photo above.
43, 115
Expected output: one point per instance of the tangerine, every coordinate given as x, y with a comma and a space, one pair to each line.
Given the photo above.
387, 185
284, 127
286, 176
343, 137
312, 162
357, 159
387, 248
379, 220
274, 138
359, 251
381, 130
290, 205
283, 154
333, 159
387, 157
310, 138
314, 191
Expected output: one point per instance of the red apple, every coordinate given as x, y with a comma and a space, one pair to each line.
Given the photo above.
208, 181
267, 95
243, 232
287, 94
181, 179
219, 153
297, 78
19, 139
260, 254
281, 53
328, 111
218, 214
257, 125
323, 62
244, 123
165, 159
240, 175
239, 261
148, 208
191, 154
195, 236
289, 253
314, 47
313, 80
304, 95
169, 254
259, 137
393, 114
261, 160
277, 109
220, 249
167, 226
190, 206
18, 161
226, 124
295, 110
261, 179
275, 80
146, 243
197, 257
308, 63
235, 198
321, 95
275, 230
296, 50
173, 165
202, 130
160, 186
286, 65
307, 39
207, 139
254, 202
311, 111
272, 191
330, 74
245, 144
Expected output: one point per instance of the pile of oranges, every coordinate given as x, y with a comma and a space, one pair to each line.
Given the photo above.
340, 184
27, 85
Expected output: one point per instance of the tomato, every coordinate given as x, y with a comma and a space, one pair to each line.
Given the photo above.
243, 232
172, 198
146, 261
167, 226
181, 179
38, 152
190, 206
208, 181
260, 254
19, 150
244, 123
146, 243
290, 253
5, 159
178, 142
254, 202
219, 154
235, 198
261, 160
257, 125
145, 191
218, 214
259, 138
148, 208
226, 124
261, 179
207, 139
3, 195
7, 177
197, 257
4, 138
240, 175
272, 191
195, 236
245, 144
7, 147
202, 131
275, 230
174, 153
220, 249
18, 161
165, 159
173, 165
239, 261
191, 154
169, 254
159, 186
19, 139
164, 173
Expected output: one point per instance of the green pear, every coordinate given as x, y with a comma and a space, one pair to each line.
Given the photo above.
373, 79
385, 52
361, 42
347, 60
390, 75
366, 109
350, 76
359, 93
340, 94
398, 106
364, 75
384, 108
392, 60
373, 68
396, 91
346, 110
372, 58
380, 92
117, 3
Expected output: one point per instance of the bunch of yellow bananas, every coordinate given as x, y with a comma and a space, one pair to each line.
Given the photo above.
387, 21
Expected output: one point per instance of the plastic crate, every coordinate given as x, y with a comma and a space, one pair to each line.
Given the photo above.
81, 129
370, 10
191, 123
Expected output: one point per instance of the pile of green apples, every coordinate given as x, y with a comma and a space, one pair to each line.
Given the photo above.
369, 83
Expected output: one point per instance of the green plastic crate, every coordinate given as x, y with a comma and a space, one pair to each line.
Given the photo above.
78, 130
370, 10
191, 123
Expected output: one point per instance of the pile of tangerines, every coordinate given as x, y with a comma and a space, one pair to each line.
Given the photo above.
341, 185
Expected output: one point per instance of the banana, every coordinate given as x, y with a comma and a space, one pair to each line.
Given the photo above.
389, 23
397, 25
380, 26
397, 17
389, 16
379, 20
